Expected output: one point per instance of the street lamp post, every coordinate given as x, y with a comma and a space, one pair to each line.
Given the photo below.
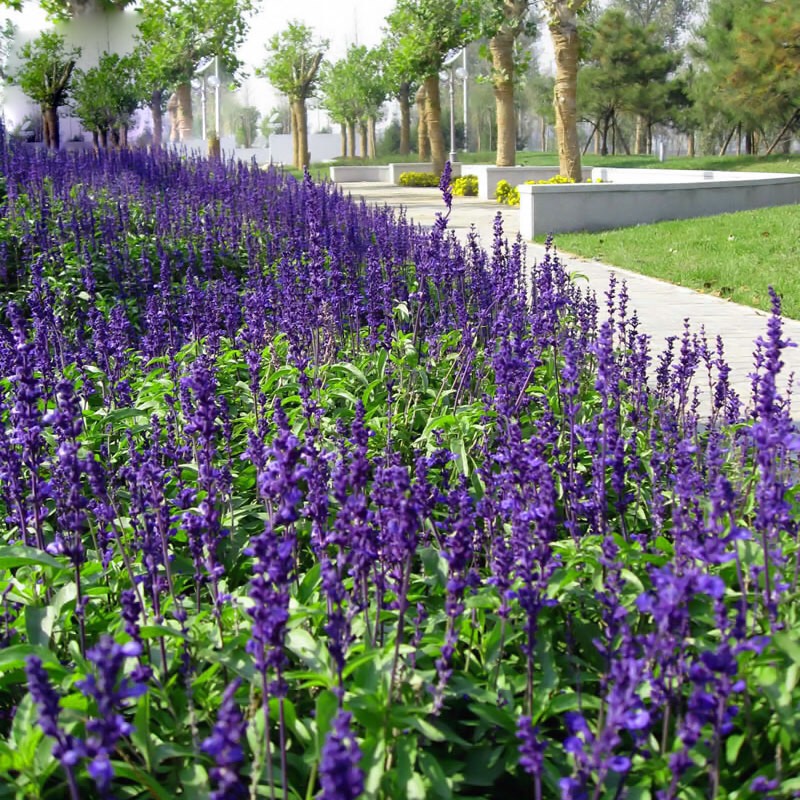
464, 68
449, 76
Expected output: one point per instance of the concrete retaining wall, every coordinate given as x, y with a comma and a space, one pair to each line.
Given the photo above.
345, 174
388, 173
489, 176
594, 207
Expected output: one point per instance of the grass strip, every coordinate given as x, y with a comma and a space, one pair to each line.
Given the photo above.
734, 256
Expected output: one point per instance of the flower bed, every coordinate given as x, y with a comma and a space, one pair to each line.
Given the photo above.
302, 501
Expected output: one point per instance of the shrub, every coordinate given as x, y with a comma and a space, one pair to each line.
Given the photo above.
427, 179
466, 186
507, 194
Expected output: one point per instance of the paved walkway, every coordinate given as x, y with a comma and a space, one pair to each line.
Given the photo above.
662, 306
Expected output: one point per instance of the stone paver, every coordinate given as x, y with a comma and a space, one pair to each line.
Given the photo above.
662, 307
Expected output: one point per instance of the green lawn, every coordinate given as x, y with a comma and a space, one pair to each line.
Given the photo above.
735, 256
775, 163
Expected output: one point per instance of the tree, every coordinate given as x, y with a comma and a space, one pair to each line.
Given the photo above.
106, 96
669, 17
341, 99
626, 69
45, 77
765, 75
718, 51
292, 66
426, 31
563, 18
503, 22
245, 125
401, 84
175, 37
538, 96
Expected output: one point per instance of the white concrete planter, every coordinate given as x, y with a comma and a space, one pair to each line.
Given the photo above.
635, 197
390, 173
346, 174
489, 176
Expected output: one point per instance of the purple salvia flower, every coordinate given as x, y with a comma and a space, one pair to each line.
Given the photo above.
224, 746
67, 749
340, 776
111, 695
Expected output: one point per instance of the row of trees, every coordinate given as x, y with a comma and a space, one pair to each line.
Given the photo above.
639, 68
738, 74
173, 40
420, 35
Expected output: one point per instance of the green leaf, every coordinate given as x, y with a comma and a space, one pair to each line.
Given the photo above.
14, 657
438, 780
732, 747
308, 649
326, 706
140, 736
140, 778
788, 644
18, 555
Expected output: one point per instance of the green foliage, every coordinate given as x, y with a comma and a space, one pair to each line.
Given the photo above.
354, 88
293, 61
419, 179
176, 37
627, 69
669, 18
466, 186
107, 95
426, 31
47, 69
747, 56
507, 194
245, 125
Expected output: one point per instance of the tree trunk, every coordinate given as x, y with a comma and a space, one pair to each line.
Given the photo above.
564, 32
351, 139
690, 144
433, 116
295, 144
362, 135
302, 133
604, 141
543, 134
423, 141
640, 142
172, 111
96, 141
403, 96
727, 142
155, 110
185, 119
344, 139
501, 47
104, 138
52, 132
782, 139
123, 137
372, 140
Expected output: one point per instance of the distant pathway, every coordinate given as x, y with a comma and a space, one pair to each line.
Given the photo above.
662, 306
